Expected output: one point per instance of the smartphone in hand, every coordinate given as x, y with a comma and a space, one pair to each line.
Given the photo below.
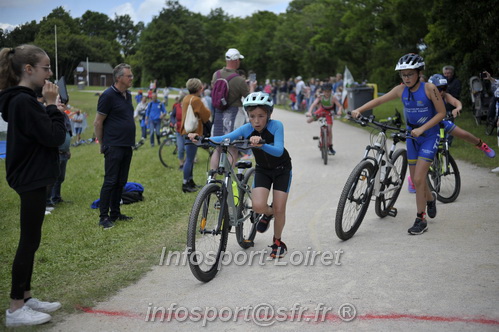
63, 91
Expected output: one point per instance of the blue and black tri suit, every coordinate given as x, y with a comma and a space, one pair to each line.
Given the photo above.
273, 163
418, 110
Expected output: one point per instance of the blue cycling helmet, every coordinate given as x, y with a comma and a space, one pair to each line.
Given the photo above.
438, 79
260, 99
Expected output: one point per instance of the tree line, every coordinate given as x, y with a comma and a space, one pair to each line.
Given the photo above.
313, 38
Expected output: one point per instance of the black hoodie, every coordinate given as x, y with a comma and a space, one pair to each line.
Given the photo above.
33, 135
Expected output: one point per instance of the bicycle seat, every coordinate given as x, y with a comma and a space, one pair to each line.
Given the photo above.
244, 164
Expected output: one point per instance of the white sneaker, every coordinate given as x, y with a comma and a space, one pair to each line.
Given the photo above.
495, 170
47, 212
49, 208
25, 316
42, 306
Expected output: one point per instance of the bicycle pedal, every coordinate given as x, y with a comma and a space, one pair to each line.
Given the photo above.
392, 212
251, 243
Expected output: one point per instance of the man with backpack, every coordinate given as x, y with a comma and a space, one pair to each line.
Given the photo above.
228, 89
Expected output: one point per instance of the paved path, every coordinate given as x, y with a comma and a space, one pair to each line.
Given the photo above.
444, 280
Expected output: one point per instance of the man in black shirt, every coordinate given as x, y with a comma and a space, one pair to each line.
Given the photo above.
115, 131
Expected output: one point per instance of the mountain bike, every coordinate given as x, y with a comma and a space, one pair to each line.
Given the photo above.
443, 176
380, 173
491, 124
168, 146
323, 139
219, 206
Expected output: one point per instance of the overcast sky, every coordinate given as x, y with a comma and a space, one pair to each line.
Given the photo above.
16, 12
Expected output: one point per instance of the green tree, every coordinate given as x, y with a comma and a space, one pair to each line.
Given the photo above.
174, 46
465, 37
95, 24
254, 41
22, 34
220, 33
127, 33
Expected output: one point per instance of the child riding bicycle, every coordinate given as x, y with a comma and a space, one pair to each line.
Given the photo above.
273, 165
423, 109
327, 102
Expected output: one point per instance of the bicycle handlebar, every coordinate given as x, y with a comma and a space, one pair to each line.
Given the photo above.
240, 143
365, 121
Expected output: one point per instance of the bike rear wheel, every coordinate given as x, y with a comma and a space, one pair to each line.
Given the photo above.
206, 237
324, 144
354, 200
168, 151
490, 126
388, 196
444, 179
246, 230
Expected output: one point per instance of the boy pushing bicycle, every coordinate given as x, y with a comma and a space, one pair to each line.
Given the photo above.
273, 165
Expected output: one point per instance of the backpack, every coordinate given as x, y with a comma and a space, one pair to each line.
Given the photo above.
220, 91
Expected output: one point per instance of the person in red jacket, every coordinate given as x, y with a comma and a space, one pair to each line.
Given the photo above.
32, 163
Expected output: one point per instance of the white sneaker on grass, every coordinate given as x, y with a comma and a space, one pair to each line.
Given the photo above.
42, 306
25, 316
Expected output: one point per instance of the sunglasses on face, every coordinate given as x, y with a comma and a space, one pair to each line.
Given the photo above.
442, 88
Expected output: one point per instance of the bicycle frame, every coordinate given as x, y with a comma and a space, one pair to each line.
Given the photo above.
381, 158
225, 168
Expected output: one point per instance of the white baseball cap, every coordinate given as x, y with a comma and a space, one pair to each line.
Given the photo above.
233, 54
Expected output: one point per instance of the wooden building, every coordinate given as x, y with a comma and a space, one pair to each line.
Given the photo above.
99, 74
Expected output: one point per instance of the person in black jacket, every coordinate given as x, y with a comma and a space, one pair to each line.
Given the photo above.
32, 163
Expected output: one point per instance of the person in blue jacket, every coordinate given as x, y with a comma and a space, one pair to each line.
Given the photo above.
273, 165
155, 112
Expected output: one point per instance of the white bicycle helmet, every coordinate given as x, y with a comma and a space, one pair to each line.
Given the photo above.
410, 61
259, 99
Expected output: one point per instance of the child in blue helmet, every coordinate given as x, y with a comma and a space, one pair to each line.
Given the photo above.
423, 109
273, 165
441, 83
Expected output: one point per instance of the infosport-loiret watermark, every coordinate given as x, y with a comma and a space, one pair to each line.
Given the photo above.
262, 314
309, 257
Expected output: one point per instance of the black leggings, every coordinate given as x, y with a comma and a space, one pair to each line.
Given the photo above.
32, 214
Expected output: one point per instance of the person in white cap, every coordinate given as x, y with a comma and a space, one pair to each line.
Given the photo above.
224, 120
300, 89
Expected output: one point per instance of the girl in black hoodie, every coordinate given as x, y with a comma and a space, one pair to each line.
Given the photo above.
33, 135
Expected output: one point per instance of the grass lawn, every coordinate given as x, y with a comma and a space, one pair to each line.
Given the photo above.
78, 263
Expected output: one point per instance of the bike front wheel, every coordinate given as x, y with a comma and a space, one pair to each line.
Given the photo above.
444, 178
207, 233
167, 151
392, 184
246, 230
354, 200
324, 144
